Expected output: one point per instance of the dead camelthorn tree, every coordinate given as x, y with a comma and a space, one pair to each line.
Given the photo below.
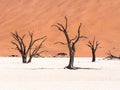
94, 45
25, 51
71, 43
111, 56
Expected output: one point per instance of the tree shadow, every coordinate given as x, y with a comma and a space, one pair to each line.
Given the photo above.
78, 68
75, 68
45, 68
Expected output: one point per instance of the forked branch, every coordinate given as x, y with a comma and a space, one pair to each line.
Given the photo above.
29, 51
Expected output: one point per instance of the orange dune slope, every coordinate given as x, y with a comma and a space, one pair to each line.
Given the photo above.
99, 18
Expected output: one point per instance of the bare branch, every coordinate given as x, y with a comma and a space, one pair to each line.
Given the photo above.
59, 28
23, 36
19, 40
66, 23
32, 42
89, 45
93, 42
78, 36
61, 43
97, 45
109, 52
17, 46
38, 47
73, 39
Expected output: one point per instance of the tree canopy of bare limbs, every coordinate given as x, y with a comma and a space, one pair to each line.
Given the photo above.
27, 51
93, 45
71, 43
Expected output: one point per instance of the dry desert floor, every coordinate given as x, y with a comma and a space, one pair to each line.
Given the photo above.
49, 74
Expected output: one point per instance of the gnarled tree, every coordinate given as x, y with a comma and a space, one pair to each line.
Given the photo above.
27, 50
93, 45
71, 43
111, 56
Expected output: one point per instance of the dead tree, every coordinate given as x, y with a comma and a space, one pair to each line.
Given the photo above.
111, 56
25, 51
71, 43
93, 45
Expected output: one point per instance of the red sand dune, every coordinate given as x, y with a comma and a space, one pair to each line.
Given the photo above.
100, 18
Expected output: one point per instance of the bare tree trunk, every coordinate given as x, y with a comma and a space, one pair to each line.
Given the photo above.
24, 57
29, 59
93, 56
70, 65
